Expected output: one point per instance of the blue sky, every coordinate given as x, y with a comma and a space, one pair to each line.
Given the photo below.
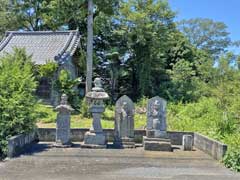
226, 11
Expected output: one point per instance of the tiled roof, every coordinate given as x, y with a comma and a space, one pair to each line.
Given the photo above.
42, 45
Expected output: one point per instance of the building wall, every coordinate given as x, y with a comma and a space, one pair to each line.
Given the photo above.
44, 88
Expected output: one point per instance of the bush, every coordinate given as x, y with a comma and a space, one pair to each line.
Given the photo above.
17, 102
208, 117
66, 85
232, 160
84, 109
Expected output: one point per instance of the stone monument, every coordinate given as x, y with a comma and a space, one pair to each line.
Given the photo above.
63, 123
124, 123
187, 142
156, 138
95, 137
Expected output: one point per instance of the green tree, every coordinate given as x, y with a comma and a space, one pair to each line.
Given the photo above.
17, 102
30, 14
143, 27
206, 34
7, 21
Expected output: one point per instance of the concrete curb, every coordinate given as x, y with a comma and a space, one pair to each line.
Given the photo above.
212, 147
17, 144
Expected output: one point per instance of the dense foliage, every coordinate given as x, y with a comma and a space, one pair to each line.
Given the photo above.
17, 102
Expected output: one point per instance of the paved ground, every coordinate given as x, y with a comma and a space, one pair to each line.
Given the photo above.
43, 162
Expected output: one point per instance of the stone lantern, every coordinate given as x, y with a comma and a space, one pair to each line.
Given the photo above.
95, 137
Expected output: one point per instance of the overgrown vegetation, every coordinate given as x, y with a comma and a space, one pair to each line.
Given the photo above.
17, 102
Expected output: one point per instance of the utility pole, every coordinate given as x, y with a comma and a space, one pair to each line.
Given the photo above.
89, 46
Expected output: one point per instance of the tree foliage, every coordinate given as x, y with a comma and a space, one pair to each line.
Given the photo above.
206, 34
17, 102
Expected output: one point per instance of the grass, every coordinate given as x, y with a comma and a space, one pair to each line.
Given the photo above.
47, 118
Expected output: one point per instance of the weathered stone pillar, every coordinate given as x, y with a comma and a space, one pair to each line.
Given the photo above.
124, 123
187, 142
63, 123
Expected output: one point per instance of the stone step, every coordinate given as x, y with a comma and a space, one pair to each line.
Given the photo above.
156, 139
157, 146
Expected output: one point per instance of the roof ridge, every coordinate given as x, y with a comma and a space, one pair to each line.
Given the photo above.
39, 32
75, 44
5, 41
65, 46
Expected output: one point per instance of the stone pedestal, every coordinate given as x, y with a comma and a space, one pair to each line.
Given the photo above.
156, 134
187, 142
157, 144
125, 143
63, 132
63, 123
157, 141
95, 138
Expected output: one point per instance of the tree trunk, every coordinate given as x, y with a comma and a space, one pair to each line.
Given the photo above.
89, 46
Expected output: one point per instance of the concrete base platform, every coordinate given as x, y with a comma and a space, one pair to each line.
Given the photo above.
59, 145
124, 143
93, 146
94, 140
157, 144
42, 162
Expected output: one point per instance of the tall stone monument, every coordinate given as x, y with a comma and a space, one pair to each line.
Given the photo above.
124, 123
95, 137
156, 138
63, 123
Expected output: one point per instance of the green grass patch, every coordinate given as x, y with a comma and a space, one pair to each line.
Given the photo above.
47, 118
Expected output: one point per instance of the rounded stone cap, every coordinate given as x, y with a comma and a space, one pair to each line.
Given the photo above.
97, 95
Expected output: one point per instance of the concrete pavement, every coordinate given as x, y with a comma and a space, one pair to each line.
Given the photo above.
45, 162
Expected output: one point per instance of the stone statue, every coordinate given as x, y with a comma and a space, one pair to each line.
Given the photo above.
63, 122
124, 122
158, 116
156, 138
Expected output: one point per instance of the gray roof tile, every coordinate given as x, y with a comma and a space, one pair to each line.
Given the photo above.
42, 45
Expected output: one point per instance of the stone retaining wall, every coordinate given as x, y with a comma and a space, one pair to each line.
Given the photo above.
77, 135
17, 144
212, 147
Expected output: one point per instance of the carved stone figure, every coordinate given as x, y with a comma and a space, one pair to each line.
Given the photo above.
63, 122
156, 138
124, 122
156, 117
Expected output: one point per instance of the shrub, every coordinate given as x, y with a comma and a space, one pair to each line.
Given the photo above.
66, 85
84, 109
232, 160
17, 102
